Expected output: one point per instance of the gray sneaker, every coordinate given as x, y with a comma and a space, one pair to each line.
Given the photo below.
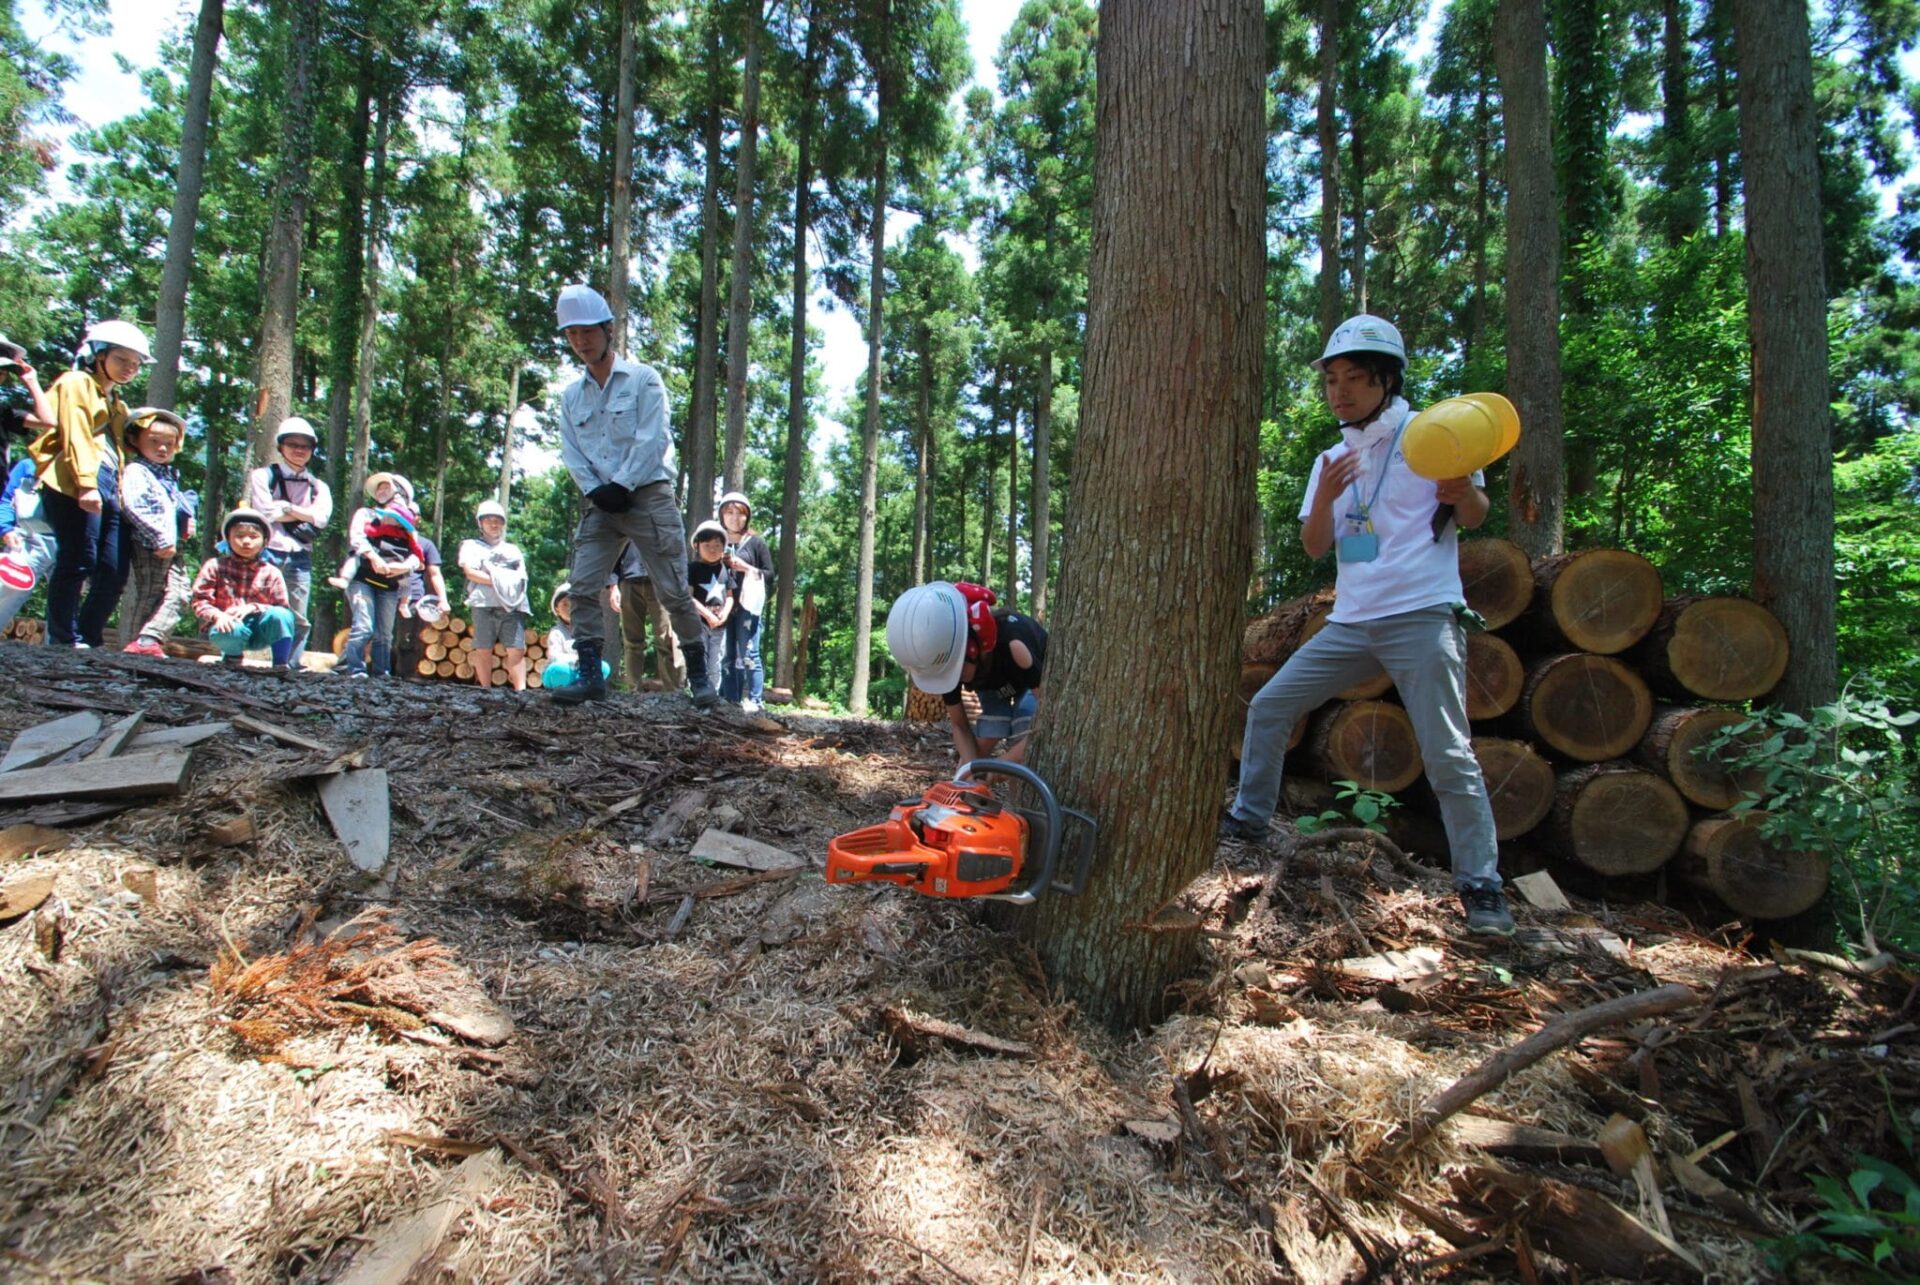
1487, 913
1232, 827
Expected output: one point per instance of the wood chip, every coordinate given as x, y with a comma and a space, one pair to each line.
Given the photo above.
160, 738
1396, 965
231, 833
918, 1034
397, 1249
22, 895
29, 840
668, 825
1541, 891
143, 882
1162, 1133
723, 849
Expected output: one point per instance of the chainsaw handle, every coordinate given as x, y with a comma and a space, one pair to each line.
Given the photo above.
1019, 771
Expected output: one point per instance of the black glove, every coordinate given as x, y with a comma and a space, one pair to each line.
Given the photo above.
610, 497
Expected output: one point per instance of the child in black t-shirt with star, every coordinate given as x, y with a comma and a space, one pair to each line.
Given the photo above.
714, 592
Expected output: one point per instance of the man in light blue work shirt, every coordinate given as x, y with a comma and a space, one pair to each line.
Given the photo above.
615, 442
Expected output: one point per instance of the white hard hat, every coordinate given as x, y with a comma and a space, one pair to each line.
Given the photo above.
582, 306
294, 426
117, 334
709, 528
1364, 333
431, 610
927, 634
736, 497
489, 509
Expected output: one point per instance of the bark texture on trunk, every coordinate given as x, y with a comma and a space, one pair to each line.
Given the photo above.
280, 276
740, 284
621, 218
1042, 483
700, 416
1173, 357
1329, 133
1793, 572
1536, 479
870, 430
797, 408
170, 320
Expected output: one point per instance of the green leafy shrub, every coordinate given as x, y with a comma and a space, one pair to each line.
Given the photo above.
1365, 808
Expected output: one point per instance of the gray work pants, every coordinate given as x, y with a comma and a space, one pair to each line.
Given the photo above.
640, 610
652, 522
1425, 653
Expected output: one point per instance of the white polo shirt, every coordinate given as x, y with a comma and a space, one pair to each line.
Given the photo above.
1413, 570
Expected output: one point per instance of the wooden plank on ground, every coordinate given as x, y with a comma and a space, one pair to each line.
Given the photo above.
674, 819
162, 774
49, 741
723, 849
1540, 890
117, 737
281, 734
359, 809
1523, 1141
162, 737
399, 1249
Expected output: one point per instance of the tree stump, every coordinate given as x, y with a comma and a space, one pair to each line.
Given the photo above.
1671, 748
1278, 634
1370, 742
1497, 579
1520, 784
1720, 649
1590, 708
1729, 857
1602, 600
1495, 677
1616, 819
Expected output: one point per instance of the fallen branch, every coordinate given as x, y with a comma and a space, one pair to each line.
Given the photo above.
917, 1033
1557, 1034
1861, 969
1387, 848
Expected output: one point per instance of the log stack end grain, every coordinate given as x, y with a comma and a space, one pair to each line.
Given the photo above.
1519, 784
1717, 649
1730, 857
1616, 819
1587, 707
1495, 677
1673, 748
1497, 580
1369, 742
1600, 600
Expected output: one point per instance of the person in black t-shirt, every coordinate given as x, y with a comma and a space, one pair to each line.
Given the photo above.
948, 638
712, 585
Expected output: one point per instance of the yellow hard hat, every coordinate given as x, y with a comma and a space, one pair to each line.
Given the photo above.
1459, 435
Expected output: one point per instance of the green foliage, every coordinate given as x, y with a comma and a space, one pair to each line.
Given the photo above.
1365, 808
1871, 1220
1841, 781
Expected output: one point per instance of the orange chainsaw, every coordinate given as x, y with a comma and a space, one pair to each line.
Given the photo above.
958, 840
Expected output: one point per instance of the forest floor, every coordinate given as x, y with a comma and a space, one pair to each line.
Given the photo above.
213, 1068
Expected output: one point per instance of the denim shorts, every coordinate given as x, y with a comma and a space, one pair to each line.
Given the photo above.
1001, 718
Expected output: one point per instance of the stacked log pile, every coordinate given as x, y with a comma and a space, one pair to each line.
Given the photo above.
1589, 699
446, 651
20, 629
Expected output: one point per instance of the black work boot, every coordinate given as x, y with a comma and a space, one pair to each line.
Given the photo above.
699, 690
588, 684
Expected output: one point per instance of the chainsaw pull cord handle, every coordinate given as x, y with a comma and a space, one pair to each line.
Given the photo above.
1020, 772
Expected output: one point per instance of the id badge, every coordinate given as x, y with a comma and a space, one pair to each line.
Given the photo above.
1362, 546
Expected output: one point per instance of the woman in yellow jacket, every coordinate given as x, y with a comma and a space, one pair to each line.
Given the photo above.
78, 461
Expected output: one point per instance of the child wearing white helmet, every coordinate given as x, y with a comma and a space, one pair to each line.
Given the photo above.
1398, 607
948, 637
563, 658
78, 463
496, 573
241, 597
159, 518
298, 505
616, 444
715, 597
742, 678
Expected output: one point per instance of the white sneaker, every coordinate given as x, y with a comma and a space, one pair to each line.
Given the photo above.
749, 706
80, 646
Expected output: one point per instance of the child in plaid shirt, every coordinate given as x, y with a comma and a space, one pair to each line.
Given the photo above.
158, 517
241, 597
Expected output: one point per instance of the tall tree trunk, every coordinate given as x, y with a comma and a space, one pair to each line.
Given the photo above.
699, 434
1012, 598
991, 494
170, 320
740, 284
218, 408
1679, 164
923, 452
506, 445
369, 323
870, 432
1536, 479
442, 426
281, 275
797, 408
1482, 221
1357, 144
1175, 320
1720, 58
620, 219
1042, 483
1793, 573
1329, 127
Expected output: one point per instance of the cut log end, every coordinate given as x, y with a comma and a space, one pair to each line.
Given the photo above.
1618, 820
1496, 578
1672, 747
1368, 742
1730, 857
1602, 600
1722, 649
1519, 784
1495, 677
1591, 708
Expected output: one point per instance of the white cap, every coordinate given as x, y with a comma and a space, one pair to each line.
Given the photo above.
582, 306
489, 509
117, 334
707, 528
1364, 333
927, 634
294, 426
739, 498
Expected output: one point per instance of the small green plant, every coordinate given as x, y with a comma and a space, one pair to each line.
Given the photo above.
1365, 808
1882, 1237
1839, 780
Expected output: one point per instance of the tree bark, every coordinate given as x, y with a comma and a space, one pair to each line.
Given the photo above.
797, 364
281, 267
1175, 330
989, 499
740, 284
619, 229
369, 324
506, 444
170, 319
923, 452
1536, 478
700, 416
1042, 485
870, 431
1793, 573
1011, 599
1329, 131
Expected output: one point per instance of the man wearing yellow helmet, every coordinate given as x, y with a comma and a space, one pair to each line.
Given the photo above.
1398, 607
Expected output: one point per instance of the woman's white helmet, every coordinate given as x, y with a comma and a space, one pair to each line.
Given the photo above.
739, 498
1364, 333
927, 634
116, 334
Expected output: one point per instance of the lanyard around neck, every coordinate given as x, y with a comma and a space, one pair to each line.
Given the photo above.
1366, 509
